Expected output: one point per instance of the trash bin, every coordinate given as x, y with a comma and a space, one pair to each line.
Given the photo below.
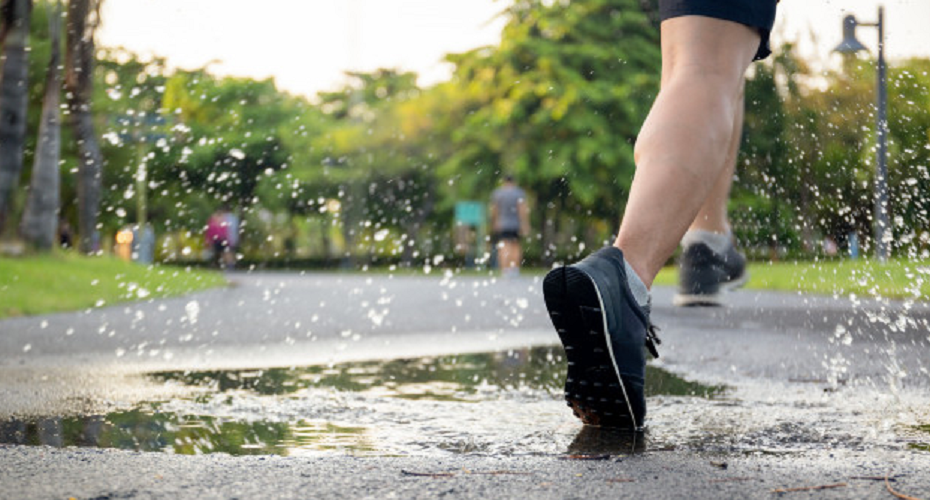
143, 244
123, 247
853, 246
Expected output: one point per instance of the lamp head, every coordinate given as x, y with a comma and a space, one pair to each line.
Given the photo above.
849, 45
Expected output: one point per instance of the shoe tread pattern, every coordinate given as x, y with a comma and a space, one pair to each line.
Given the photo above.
592, 388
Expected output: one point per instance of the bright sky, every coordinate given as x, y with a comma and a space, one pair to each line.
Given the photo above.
308, 44
305, 44
817, 26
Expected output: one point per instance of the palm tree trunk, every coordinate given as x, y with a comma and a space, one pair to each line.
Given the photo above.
14, 94
83, 18
40, 220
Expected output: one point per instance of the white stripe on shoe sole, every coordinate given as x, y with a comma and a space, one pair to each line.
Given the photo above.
610, 350
730, 286
683, 299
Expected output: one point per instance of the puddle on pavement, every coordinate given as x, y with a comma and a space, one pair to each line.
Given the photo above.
466, 377
503, 403
490, 403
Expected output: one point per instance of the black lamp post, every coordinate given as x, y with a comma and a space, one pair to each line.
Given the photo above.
850, 45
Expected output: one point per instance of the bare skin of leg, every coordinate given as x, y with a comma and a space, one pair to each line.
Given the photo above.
229, 258
510, 254
503, 255
682, 148
713, 214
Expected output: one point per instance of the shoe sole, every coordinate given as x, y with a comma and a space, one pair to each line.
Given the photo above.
709, 299
593, 387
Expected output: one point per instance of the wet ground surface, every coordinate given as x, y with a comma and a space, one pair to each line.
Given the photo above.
477, 403
496, 404
329, 367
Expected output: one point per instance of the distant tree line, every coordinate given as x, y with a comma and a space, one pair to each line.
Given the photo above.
372, 171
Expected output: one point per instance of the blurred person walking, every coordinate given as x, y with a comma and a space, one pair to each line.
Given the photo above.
216, 237
232, 238
510, 223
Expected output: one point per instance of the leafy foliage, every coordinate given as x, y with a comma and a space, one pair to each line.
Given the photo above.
558, 105
373, 170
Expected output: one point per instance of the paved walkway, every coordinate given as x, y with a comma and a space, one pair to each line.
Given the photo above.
849, 375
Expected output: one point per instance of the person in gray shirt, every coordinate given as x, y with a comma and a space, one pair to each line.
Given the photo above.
510, 222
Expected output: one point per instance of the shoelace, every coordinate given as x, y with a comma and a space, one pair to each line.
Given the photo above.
652, 339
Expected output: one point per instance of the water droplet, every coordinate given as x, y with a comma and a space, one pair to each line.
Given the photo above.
193, 310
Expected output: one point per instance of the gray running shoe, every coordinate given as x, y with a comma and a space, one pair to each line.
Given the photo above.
704, 274
603, 331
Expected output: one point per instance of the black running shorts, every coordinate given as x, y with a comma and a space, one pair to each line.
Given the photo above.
507, 236
758, 14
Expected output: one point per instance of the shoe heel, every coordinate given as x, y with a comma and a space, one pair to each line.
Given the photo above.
575, 311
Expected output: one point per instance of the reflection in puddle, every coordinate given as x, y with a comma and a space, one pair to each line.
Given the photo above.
601, 440
492, 403
923, 443
146, 431
450, 378
184, 435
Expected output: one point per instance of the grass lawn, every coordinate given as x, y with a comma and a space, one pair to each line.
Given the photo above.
66, 281
864, 278
897, 279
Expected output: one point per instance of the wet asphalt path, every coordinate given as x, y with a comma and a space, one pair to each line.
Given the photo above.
805, 360
278, 319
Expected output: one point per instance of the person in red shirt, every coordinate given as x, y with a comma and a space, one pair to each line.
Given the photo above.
216, 236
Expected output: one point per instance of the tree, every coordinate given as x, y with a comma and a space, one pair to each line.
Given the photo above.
83, 18
381, 140
136, 138
807, 165
40, 218
559, 104
909, 165
14, 91
232, 135
764, 197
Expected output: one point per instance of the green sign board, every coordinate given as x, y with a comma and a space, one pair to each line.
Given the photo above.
469, 213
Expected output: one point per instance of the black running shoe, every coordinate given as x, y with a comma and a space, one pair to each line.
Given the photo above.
703, 274
603, 331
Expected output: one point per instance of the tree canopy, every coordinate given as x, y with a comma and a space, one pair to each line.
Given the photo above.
373, 170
